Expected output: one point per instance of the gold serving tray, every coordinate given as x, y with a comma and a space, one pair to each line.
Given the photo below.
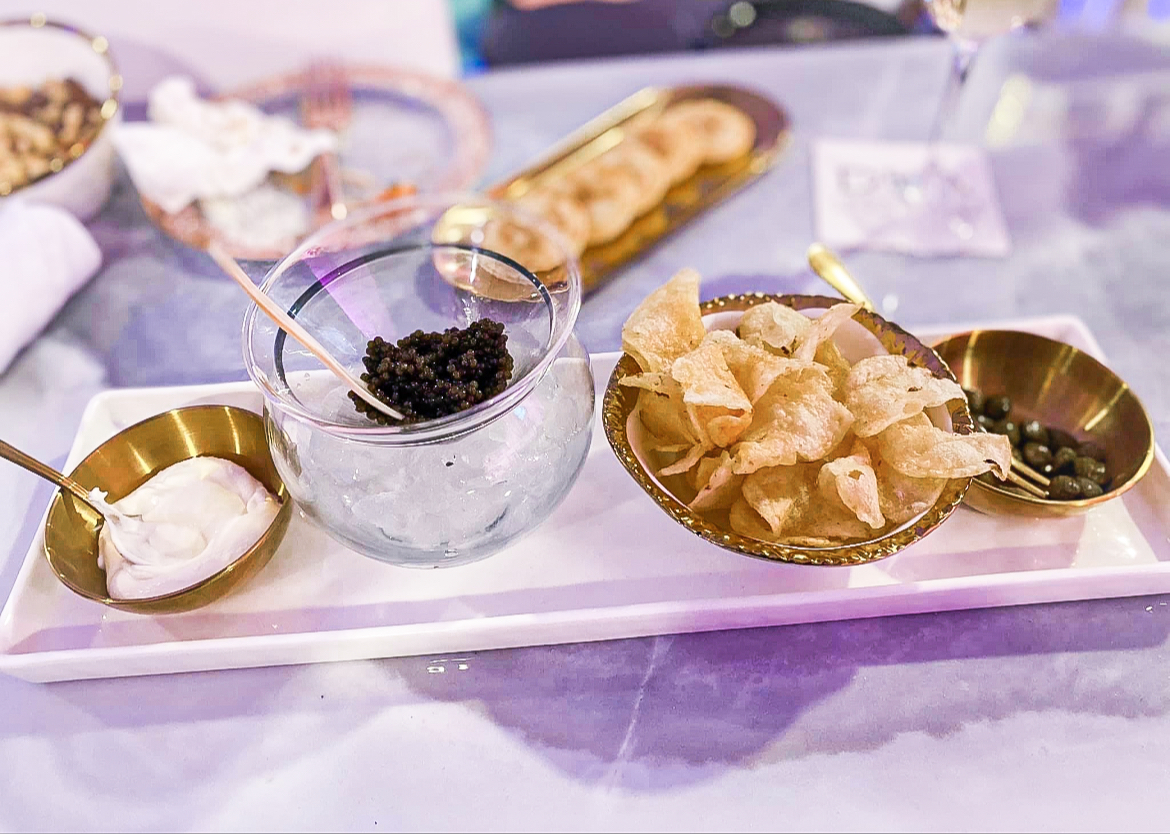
707, 187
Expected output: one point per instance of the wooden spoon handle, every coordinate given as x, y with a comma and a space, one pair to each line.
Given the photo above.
289, 325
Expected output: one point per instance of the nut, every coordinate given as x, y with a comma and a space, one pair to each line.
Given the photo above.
15, 96
42, 128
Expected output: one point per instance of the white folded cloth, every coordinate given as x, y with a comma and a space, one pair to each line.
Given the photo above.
193, 149
48, 256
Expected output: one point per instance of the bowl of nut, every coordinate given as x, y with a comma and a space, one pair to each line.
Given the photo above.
58, 95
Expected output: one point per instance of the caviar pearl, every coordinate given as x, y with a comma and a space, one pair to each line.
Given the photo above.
430, 375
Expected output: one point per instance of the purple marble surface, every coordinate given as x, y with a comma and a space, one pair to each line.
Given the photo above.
1037, 717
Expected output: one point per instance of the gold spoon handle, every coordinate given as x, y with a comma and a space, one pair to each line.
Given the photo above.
825, 264
9, 452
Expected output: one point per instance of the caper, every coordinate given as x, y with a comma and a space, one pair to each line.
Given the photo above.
1089, 489
975, 400
1048, 470
1034, 432
984, 422
1060, 439
1037, 455
1008, 428
1094, 470
1090, 449
1064, 488
997, 408
1063, 460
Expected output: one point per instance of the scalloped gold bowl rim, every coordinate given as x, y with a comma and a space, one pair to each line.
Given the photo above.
618, 404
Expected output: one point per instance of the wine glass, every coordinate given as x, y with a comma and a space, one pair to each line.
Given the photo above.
936, 198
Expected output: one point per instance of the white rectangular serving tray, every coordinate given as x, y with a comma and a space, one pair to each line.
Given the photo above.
607, 564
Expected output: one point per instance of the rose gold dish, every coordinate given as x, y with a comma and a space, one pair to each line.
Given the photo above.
388, 91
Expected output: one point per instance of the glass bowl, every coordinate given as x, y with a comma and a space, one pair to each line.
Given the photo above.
442, 492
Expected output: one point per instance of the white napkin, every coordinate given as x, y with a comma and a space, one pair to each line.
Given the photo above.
859, 191
194, 149
48, 256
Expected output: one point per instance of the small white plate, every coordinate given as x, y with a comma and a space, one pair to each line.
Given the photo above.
608, 564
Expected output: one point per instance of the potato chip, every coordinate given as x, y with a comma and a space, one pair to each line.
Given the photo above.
665, 418
822, 330
717, 427
835, 364
718, 486
918, 448
797, 419
883, 390
872, 368
720, 411
810, 541
665, 447
747, 522
754, 368
786, 500
901, 497
684, 464
824, 521
778, 494
705, 379
655, 381
842, 449
666, 325
773, 327
701, 473
852, 481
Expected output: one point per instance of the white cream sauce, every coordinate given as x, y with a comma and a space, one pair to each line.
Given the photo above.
198, 516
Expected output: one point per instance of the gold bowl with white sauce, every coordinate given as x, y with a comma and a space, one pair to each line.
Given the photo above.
131, 458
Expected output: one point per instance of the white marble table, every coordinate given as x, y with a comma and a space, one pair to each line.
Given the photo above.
1039, 717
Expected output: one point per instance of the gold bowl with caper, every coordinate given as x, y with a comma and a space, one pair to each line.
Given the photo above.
1055, 393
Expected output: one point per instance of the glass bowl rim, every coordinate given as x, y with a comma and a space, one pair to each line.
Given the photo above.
460, 423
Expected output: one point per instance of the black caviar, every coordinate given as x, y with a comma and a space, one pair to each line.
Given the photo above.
430, 375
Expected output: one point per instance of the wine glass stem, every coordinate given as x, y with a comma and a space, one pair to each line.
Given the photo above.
963, 56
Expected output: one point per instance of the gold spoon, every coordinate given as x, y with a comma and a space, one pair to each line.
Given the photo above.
825, 264
289, 325
830, 269
105, 510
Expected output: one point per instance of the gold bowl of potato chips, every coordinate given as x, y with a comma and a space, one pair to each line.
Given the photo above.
791, 428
